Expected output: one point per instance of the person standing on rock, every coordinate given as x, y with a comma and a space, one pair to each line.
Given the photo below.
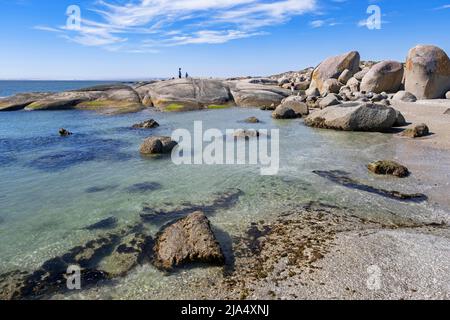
179, 73
187, 75
293, 87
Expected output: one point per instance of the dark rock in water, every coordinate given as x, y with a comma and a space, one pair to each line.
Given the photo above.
246, 134
149, 124
50, 278
85, 149
447, 111
101, 189
64, 133
225, 200
420, 130
157, 145
386, 167
186, 241
342, 178
62, 161
144, 187
108, 223
133, 250
252, 120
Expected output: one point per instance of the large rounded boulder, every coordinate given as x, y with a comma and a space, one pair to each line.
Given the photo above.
333, 67
427, 73
259, 96
187, 94
354, 116
385, 76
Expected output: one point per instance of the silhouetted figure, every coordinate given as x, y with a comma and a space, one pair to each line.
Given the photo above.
187, 75
179, 73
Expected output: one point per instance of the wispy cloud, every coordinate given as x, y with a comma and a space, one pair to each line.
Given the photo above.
142, 25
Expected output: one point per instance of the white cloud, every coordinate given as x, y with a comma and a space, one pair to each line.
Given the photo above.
162, 23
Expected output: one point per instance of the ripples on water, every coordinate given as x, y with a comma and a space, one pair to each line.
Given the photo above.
52, 189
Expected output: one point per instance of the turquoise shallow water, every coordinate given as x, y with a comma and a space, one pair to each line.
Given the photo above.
46, 195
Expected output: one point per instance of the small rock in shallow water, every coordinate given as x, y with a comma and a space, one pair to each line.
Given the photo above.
64, 133
185, 241
157, 145
108, 223
417, 131
252, 120
100, 189
247, 134
149, 124
386, 167
447, 111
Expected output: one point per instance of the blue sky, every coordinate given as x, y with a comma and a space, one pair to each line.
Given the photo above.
138, 39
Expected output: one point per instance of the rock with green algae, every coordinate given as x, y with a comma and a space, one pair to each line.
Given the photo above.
387, 167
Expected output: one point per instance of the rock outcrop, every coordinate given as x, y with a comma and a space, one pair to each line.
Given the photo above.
188, 240
354, 116
385, 76
427, 73
252, 95
107, 98
187, 94
333, 67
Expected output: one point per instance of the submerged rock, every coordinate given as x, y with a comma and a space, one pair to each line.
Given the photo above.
108, 223
387, 167
417, 131
133, 249
223, 201
157, 145
343, 178
188, 240
356, 116
149, 124
144, 187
